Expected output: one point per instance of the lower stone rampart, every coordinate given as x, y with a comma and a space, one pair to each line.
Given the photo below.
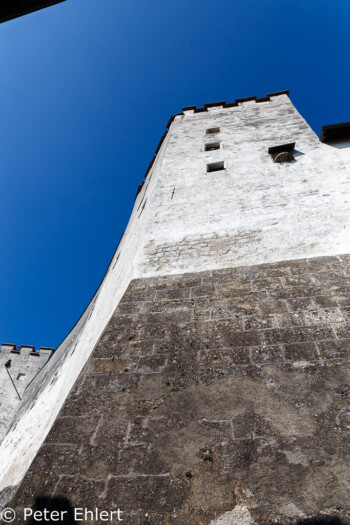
211, 398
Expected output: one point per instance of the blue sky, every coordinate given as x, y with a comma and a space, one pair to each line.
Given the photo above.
86, 90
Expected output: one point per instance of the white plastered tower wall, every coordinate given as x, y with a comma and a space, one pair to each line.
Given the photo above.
188, 220
18, 367
254, 211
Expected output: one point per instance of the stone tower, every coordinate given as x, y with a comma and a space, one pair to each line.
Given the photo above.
207, 381
18, 367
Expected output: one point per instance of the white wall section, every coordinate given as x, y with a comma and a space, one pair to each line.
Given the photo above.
25, 364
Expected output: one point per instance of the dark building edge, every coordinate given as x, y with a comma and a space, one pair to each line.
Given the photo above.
13, 9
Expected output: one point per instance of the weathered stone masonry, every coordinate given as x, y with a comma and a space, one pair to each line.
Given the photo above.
219, 393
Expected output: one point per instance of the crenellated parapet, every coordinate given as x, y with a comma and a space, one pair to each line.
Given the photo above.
26, 350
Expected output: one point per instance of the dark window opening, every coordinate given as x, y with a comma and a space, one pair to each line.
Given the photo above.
337, 135
210, 131
211, 146
215, 166
283, 153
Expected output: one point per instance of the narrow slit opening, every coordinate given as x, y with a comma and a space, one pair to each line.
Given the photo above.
211, 146
215, 166
211, 131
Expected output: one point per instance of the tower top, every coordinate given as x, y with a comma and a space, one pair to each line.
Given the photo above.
193, 109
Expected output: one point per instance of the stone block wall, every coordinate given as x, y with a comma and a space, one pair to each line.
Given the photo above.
211, 398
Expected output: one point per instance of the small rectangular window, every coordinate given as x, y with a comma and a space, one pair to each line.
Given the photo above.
211, 131
215, 166
211, 146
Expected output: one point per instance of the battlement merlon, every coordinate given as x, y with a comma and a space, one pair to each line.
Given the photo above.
26, 350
